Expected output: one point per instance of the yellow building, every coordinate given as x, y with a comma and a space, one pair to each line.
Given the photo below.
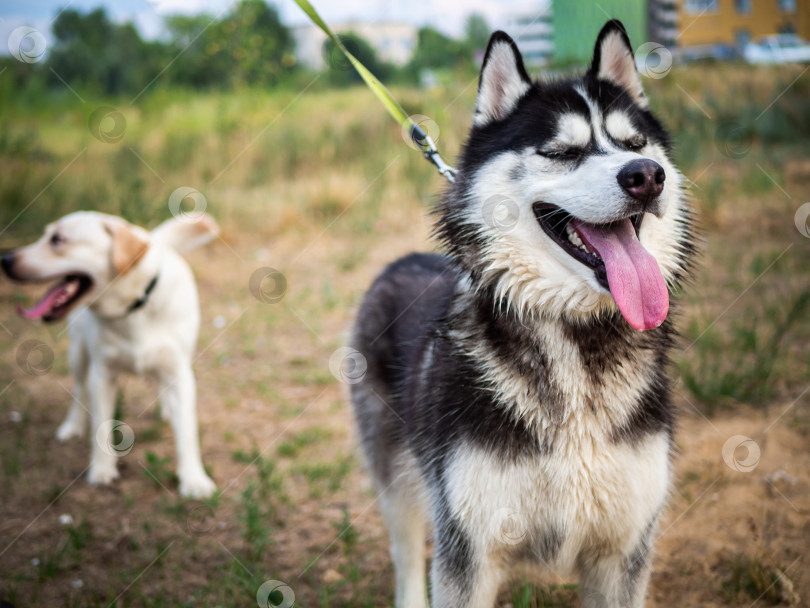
736, 22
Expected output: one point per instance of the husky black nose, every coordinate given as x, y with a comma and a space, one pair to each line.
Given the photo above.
643, 179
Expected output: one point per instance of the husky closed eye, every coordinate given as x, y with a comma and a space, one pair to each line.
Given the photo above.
636, 143
562, 154
621, 129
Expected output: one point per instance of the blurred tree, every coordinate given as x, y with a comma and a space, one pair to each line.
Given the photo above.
476, 32
249, 46
341, 72
92, 52
195, 39
92, 30
435, 51
258, 42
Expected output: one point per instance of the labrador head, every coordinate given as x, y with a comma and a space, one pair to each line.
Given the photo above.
84, 253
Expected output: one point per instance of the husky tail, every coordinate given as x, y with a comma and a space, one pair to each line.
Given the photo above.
186, 233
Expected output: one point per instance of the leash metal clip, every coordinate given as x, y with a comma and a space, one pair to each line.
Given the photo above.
419, 137
428, 148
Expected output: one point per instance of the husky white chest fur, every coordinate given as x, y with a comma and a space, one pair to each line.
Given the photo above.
516, 398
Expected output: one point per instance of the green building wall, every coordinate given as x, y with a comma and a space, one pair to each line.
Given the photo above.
577, 22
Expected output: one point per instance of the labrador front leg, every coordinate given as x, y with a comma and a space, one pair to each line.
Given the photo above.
179, 393
75, 423
104, 445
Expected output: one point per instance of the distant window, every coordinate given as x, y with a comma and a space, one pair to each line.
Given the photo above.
742, 37
787, 6
701, 6
743, 6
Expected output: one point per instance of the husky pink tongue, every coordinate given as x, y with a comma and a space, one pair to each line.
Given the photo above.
633, 275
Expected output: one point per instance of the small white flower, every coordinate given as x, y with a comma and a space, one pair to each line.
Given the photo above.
66, 519
219, 321
14, 416
77, 583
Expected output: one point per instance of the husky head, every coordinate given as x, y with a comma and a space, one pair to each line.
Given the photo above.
567, 202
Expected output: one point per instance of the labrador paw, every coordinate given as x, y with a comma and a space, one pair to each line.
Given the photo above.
102, 475
68, 430
199, 486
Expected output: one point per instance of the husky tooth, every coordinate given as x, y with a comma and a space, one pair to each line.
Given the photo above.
574, 237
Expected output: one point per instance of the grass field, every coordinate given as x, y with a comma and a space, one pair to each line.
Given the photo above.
316, 191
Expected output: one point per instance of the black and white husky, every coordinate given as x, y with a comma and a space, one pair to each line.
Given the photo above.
516, 395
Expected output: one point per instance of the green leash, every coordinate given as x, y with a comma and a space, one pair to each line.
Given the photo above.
419, 137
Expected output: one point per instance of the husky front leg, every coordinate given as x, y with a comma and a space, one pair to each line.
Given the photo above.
462, 577
406, 525
179, 396
616, 581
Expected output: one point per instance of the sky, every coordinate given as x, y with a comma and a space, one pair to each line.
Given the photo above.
446, 15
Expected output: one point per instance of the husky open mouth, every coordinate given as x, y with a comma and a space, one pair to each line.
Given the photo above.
58, 301
619, 261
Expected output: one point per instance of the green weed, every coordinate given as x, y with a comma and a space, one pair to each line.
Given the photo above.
294, 445
256, 530
735, 361
322, 476
152, 433
750, 578
80, 534
527, 595
157, 470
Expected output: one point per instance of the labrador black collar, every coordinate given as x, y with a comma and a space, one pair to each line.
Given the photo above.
144, 298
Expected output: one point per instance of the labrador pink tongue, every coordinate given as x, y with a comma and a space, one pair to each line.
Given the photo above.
633, 275
45, 305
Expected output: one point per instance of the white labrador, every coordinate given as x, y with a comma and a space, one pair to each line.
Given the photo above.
139, 313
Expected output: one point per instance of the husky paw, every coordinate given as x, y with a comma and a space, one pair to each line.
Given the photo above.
68, 430
199, 486
102, 475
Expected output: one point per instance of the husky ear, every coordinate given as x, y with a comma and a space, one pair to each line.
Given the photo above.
613, 61
503, 80
128, 245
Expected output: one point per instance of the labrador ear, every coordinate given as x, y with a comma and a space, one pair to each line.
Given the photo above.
503, 80
128, 245
613, 61
185, 233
